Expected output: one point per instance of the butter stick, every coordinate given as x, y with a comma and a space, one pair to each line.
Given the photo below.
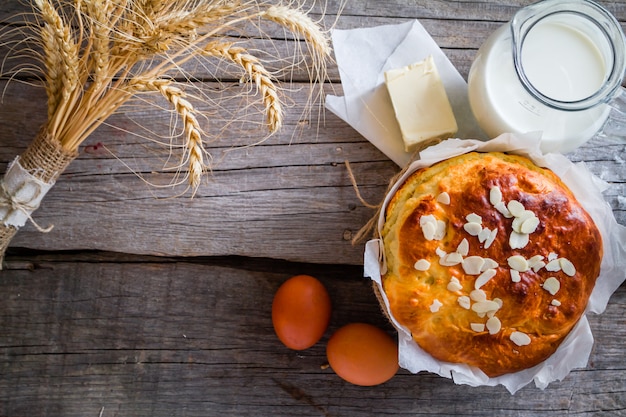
420, 103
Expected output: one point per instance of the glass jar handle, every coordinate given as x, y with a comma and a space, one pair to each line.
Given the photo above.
614, 127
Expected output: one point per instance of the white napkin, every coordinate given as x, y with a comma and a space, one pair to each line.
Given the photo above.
363, 55
575, 350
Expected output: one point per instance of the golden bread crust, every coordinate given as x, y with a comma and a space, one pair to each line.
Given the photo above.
534, 316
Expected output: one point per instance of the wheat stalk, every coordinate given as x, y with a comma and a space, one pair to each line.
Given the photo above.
257, 72
300, 24
191, 128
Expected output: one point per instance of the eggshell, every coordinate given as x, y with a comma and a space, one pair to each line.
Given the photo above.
363, 354
301, 312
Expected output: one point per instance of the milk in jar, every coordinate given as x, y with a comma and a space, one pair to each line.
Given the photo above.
557, 62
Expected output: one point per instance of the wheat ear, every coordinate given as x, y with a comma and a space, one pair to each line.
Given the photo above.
301, 24
98, 11
193, 138
258, 73
67, 56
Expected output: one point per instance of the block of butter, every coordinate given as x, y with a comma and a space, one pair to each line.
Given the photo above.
420, 103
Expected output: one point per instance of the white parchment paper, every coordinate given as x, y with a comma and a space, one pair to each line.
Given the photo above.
575, 350
363, 55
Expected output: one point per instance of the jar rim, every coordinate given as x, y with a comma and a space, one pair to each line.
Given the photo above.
528, 17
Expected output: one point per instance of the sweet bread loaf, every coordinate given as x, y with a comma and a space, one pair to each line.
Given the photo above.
490, 260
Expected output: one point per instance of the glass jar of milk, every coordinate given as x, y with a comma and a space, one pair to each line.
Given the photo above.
555, 69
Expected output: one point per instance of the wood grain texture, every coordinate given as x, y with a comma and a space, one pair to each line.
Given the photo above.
142, 303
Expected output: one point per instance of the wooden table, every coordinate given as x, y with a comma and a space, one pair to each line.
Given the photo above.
138, 304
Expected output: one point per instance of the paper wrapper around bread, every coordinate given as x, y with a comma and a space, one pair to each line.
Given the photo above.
574, 351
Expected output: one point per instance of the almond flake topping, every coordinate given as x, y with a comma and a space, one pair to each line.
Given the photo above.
494, 325
483, 307
491, 238
454, 285
484, 278
435, 306
553, 266
567, 267
473, 228
495, 196
474, 218
451, 259
478, 295
515, 276
518, 240
515, 208
463, 248
518, 263
472, 265
552, 285
555, 302
432, 228
536, 262
552, 256
422, 265
444, 198
501, 207
477, 327
464, 301
520, 339
489, 264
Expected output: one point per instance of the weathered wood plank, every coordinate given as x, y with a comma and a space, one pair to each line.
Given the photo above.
291, 182
169, 338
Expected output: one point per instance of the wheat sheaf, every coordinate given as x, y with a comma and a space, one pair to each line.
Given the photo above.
98, 55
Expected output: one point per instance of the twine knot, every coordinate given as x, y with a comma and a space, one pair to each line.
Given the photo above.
19, 199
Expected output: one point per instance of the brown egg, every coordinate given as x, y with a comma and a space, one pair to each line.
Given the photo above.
363, 354
301, 312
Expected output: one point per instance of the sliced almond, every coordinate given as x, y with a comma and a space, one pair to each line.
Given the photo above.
472, 265
518, 240
536, 262
440, 252
553, 266
463, 248
477, 327
495, 195
518, 263
474, 218
451, 259
444, 198
464, 301
515, 208
501, 207
484, 235
489, 264
530, 225
567, 267
515, 276
440, 230
427, 218
520, 339
473, 228
491, 238
552, 285
552, 256
555, 302
454, 285
435, 306
422, 265
429, 229
478, 295
485, 306
494, 325
484, 278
